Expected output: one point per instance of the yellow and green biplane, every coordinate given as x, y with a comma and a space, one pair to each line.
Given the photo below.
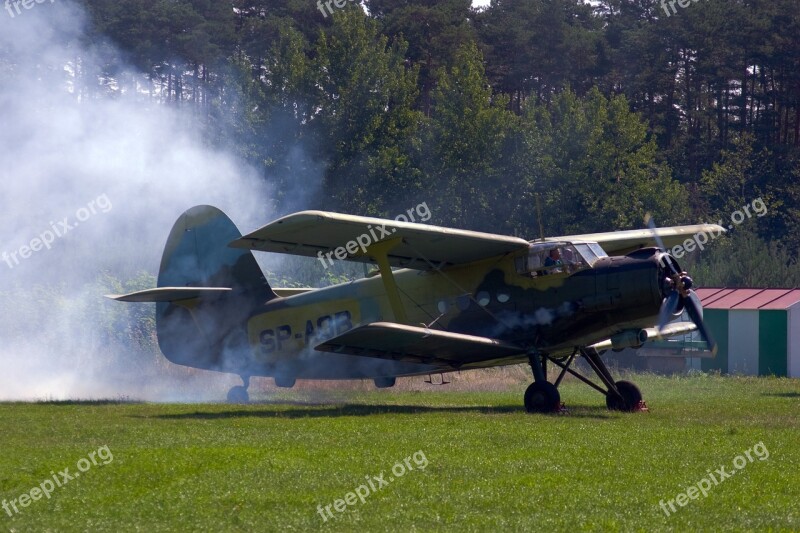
440, 300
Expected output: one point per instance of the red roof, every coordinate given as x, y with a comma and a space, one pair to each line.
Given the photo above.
717, 298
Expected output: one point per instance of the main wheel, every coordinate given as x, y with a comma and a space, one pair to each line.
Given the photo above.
238, 394
285, 382
542, 397
385, 383
631, 397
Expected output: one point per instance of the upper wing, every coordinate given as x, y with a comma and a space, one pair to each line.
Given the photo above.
625, 242
316, 233
423, 247
398, 342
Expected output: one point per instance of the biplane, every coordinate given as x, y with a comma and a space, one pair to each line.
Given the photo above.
438, 300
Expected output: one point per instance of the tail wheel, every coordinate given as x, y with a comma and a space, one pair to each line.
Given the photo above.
542, 397
238, 394
631, 397
385, 383
285, 382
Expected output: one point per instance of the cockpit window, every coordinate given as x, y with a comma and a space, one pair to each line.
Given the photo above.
591, 252
597, 249
545, 258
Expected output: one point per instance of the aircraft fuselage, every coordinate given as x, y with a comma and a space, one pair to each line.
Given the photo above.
552, 313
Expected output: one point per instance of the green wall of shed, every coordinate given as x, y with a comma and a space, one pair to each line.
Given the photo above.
717, 322
773, 349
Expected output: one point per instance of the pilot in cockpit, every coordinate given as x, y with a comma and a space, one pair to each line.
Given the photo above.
553, 259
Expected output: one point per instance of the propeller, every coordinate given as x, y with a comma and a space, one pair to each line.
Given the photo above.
677, 291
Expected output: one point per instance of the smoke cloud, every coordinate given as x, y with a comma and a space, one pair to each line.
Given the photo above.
91, 182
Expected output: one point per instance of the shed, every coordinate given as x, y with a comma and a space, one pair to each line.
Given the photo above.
757, 330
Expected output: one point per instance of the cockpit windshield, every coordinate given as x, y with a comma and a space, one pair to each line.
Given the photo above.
546, 258
590, 251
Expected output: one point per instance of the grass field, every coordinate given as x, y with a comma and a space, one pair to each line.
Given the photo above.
487, 464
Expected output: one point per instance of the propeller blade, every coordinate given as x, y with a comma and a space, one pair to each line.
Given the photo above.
693, 307
652, 225
666, 259
668, 309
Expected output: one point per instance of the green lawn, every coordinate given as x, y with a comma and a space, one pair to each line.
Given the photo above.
490, 466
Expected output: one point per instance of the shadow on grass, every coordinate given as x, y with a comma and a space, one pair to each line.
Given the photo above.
332, 411
122, 401
782, 394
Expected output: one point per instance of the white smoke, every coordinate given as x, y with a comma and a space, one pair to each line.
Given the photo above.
118, 168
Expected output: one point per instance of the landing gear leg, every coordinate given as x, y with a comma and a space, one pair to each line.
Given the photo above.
238, 394
541, 396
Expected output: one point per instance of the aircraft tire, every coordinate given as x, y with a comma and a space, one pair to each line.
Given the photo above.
385, 383
542, 397
285, 382
238, 394
631, 396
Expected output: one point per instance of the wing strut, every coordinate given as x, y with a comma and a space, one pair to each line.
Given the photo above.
379, 251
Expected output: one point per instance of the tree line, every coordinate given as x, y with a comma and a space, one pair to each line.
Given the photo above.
598, 112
